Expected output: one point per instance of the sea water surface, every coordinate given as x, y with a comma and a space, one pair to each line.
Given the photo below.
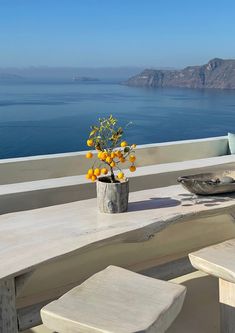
46, 118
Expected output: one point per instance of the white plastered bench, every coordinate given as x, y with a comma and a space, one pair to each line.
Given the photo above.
116, 300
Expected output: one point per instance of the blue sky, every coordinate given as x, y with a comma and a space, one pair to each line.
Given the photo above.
97, 33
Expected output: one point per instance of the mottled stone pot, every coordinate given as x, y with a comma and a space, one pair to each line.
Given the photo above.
112, 197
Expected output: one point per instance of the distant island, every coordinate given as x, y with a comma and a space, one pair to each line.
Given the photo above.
217, 73
10, 77
84, 79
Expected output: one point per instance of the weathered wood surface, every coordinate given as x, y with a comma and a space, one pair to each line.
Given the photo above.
227, 306
8, 316
217, 260
30, 238
112, 197
52, 279
116, 300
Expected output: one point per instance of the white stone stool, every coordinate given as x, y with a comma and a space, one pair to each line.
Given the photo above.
116, 300
219, 260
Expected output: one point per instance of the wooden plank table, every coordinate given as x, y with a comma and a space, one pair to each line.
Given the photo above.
45, 252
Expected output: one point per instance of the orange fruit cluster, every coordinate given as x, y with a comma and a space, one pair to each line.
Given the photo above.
111, 159
92, 174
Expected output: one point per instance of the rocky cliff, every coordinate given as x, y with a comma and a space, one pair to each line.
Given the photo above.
217, 73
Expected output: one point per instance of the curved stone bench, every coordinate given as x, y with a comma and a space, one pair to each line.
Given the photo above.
116, 300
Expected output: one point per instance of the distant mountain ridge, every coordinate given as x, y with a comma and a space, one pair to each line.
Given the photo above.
217, 73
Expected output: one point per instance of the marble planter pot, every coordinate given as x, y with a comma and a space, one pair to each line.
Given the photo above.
112, 197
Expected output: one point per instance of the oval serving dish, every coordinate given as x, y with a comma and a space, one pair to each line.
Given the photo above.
209, 183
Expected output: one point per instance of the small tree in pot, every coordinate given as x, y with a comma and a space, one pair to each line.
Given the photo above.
113, 186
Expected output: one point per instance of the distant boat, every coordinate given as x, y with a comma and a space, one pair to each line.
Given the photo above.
84, 79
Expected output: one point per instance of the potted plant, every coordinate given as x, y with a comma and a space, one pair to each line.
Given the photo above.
112, 151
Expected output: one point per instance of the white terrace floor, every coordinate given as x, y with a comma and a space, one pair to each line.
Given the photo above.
200, 313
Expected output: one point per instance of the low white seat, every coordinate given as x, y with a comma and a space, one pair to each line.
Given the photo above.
219, 261
116, 300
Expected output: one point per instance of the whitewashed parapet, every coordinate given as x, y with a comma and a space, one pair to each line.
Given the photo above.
72, 164
48, 192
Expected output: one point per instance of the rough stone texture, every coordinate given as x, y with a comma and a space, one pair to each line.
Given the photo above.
217, 73
8, 317
116, 300
112, 197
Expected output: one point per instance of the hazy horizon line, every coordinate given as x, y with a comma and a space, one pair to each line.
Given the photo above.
83, 67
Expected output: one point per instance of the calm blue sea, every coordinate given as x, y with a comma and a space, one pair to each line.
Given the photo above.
45, 118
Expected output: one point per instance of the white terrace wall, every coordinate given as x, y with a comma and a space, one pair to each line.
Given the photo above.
71, 164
